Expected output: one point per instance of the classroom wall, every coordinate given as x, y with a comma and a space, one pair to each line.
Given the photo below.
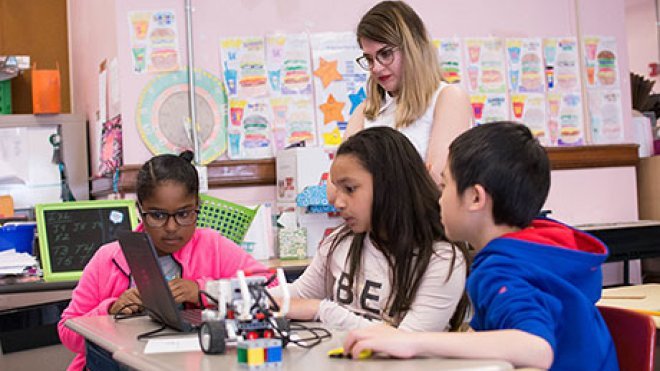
93, 37
643, 43
215, 19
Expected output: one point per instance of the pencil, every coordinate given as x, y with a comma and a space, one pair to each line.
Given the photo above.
630, 296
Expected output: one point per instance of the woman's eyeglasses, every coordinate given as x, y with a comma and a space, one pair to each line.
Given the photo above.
157, 218
385, 57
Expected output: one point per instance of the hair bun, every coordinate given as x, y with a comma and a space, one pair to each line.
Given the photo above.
187, 155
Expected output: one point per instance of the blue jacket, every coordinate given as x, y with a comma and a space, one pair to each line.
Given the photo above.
545, 280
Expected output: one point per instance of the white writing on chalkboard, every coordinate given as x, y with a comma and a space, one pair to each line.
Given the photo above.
74, 235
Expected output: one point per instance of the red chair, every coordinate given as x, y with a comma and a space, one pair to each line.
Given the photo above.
633, 334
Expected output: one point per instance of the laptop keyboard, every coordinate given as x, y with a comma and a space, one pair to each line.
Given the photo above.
192, 316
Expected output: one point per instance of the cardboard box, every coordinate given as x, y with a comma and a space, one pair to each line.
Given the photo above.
298, 168
648, 188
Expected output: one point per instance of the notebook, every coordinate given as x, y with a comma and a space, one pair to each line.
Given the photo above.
156, 296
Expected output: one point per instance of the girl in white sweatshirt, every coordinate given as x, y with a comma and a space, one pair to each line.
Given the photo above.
390, 261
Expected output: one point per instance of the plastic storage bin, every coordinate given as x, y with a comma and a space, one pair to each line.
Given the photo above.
5, 97
230, 219
17, 236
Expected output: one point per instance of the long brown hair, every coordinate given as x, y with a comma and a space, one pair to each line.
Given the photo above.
405, 216
396, 24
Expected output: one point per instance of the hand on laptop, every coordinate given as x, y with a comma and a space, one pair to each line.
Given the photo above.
184, 290
130, 296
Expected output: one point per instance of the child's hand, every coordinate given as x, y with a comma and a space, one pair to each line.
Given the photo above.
380, 339
184, 290
130, 296
303, 309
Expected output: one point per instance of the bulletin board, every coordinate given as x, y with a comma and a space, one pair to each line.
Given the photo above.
71, 232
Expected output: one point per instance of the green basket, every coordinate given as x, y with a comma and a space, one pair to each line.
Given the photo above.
230, 219
5, 97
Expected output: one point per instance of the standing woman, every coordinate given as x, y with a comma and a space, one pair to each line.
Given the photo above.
405, 90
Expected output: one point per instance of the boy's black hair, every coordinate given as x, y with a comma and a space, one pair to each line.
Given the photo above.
164, 168
511, 165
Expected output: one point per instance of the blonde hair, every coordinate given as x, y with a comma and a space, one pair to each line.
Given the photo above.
395, 23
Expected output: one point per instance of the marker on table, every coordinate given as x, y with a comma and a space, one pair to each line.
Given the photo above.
339, 353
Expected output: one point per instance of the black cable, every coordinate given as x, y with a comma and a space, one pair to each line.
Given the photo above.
153, 333
271, 279
208, 296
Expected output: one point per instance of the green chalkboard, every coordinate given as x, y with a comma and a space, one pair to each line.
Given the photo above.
71, 232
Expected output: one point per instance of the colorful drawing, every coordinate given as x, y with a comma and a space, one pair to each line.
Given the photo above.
327, 72
530, 109
561, 64
244, 65
252, 138
111, 147
606, 116
289, 65
451, 61
140, 23
154, 41
601, 61
338, 81
486, 65
332, 110
526, 72
489, 108
163, 119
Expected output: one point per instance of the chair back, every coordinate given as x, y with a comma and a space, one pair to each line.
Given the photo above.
633, 334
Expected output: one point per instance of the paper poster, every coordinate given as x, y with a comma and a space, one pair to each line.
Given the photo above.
562, 70
529, 109
339, 84
288, 64
111, 147
485, 65
250, 130
290, 81
244, 66
525, 65
601, 62
293, 120
451, 61
565, 119
154, 41
489, 108
606, 116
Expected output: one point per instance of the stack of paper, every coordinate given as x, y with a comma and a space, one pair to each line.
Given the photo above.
12, 262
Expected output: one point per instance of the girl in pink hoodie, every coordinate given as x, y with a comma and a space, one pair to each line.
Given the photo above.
167, 193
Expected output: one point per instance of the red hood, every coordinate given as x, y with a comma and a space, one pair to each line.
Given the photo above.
552, 233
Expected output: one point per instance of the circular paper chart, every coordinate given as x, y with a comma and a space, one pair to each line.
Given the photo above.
163, 118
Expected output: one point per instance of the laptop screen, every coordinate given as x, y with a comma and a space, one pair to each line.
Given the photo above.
155, 293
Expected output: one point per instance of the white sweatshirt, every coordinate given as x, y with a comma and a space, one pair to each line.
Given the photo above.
345, 308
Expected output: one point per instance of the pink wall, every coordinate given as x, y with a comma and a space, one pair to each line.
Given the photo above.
93, 27
93, 38
643, 40
215, 19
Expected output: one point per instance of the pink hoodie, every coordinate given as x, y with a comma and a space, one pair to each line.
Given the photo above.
207, 256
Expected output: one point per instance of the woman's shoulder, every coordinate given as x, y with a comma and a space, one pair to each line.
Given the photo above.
453, 92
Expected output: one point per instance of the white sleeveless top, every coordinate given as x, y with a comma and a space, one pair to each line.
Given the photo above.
419, 131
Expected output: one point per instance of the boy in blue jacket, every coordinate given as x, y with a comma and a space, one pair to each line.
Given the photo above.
534, 281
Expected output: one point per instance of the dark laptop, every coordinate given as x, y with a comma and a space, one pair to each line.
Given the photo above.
155, 293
